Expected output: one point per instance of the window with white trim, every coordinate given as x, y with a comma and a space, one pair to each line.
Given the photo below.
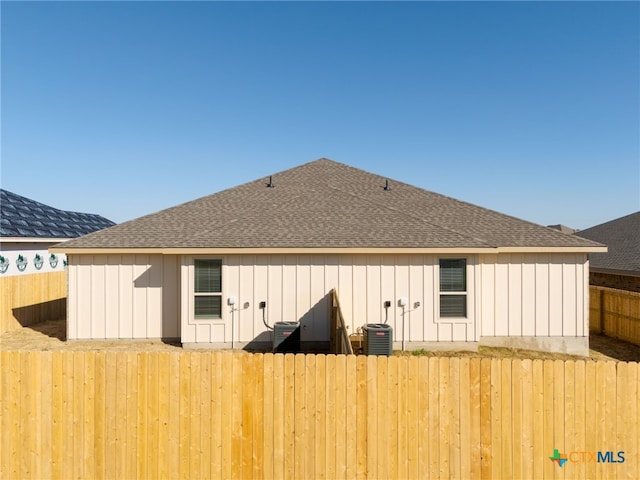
453, 288
207, 289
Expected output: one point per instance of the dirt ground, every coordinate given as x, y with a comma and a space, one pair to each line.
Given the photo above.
52, 336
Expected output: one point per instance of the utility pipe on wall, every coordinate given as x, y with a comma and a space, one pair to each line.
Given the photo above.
232, 302
402, 303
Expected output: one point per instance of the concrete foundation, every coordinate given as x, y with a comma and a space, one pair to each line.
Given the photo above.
305, 347
568, 345
438, 346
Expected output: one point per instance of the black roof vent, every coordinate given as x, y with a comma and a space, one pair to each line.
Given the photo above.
386, 186
270, 184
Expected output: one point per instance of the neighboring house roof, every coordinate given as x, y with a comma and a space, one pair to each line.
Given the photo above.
325, 205
622, 236
22, 217
563, 228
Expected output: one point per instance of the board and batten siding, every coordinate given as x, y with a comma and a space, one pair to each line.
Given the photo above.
543, 295
146, 296
123, 297
297, 287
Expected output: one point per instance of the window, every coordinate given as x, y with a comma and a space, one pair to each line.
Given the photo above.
208, 289
453, 287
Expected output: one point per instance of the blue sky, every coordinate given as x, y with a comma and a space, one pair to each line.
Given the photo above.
126, 108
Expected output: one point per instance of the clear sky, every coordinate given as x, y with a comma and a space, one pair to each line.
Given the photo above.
127, 108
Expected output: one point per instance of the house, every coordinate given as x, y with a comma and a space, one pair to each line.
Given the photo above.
620, 267
28, 228
220, 270
33, 281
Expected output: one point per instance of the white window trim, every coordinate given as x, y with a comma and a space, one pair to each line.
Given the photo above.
470, 265
193, 294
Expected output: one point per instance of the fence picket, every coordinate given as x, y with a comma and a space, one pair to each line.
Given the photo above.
289, 415
580, 411
434, 418
537, 379
340, 426
236, 416
174, 419
269, 408
258, 415
392, 419
423, 432
320, 418
496, 419
385, 442
195, 424
278, 416
28, 413
593, 412
412, 380
475, 433
120, 428
372, 417
361, 412
310, 394
153, 395
100, 396
77, 416
527, 418
331, 413
6, 381
90, 414
351, 416
247, 399
164, 415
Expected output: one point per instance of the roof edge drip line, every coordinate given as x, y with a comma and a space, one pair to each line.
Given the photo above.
321, 251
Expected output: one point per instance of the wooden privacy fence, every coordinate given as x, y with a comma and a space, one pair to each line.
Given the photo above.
127, 415
615, 313
32, 298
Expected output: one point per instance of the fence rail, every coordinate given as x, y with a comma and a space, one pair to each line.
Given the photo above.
615, 313
32, 298
193, 415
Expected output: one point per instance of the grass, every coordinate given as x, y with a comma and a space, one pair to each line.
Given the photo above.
491, 352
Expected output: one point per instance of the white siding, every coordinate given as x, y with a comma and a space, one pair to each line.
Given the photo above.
151, 296
296, 288
171, 297
534, 294
122, 297
125, 287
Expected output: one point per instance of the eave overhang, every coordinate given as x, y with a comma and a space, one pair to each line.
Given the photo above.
611, 271
322, 250
32, 240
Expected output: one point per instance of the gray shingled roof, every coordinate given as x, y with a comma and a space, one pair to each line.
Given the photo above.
26, 218
325, 204
622, 236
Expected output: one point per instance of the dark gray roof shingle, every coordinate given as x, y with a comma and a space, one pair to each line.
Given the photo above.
23, 217
622, 236
326, 204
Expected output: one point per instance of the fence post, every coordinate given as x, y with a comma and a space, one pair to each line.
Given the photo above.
601, 327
